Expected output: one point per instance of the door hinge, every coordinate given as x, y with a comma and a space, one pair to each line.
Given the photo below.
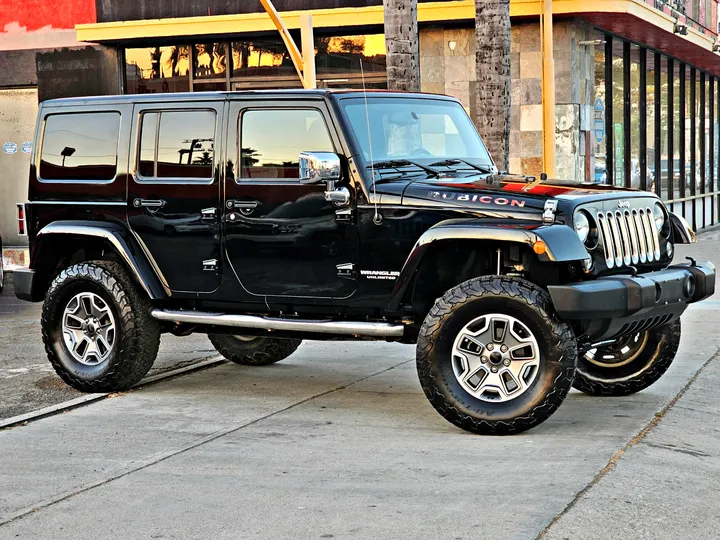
344, 215
210, 265
208, 213
346, 271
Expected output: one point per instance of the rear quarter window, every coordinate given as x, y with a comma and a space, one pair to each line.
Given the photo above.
80, 147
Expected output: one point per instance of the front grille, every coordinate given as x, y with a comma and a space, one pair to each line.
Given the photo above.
628, 237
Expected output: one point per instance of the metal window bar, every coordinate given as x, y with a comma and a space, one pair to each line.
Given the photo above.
681, 142
658, 122
642, 122
711, 141
671, 134
693, 140
609, 138
627, 116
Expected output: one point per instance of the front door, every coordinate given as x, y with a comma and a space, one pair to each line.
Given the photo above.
174, 191
282, 238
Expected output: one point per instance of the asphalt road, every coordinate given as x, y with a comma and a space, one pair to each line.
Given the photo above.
28, 382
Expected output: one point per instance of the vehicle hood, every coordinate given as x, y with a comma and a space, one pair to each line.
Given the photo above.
502, 192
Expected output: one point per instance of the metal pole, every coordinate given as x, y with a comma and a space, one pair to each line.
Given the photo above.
548, 90
308, 51
286, 37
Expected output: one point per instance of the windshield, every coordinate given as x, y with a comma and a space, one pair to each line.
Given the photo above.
414, 129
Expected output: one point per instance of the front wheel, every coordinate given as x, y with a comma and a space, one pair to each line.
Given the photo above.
253, 351
630, 364
494, 358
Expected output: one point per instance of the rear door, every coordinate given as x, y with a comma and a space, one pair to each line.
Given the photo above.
174, 191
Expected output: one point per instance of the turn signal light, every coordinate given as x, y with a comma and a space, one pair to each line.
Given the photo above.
539, 247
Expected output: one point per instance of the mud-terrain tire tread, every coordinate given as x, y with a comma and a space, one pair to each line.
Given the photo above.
666, 354
562, 341
139, 333
258, 352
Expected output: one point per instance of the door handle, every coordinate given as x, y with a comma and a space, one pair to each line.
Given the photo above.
148, 203
242, 205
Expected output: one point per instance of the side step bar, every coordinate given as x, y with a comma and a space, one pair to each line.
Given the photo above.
345, 328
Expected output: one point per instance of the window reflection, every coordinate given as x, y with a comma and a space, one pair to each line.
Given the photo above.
153, 70
80, 146
185, 144
210, 61
272, 140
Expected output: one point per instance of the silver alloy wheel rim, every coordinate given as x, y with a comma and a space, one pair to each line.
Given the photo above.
495, 358
88, 328
619, 353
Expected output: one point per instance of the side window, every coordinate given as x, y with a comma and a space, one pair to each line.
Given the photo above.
177, 145
271, 141
80, 147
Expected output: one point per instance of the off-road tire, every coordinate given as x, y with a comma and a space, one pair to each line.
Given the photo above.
260, 351
472, 299
650, 364
138, 334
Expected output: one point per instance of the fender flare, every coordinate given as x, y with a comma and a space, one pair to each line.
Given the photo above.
682, 232
121, 240
563, 245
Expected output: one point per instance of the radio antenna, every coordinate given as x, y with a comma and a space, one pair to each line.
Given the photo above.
376, 217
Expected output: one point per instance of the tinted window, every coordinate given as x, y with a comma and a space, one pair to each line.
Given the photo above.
147, 144
185, 145
271, 141
80, 146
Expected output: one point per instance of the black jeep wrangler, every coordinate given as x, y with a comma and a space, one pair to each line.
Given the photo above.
266, 218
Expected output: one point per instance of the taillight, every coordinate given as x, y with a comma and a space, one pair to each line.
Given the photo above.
21, 221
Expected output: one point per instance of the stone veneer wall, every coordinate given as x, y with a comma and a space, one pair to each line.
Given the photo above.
452, 72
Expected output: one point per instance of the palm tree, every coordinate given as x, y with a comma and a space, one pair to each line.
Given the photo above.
403, 44
492, 33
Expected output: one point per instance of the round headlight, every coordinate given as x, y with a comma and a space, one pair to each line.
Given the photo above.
659, 216
582, 226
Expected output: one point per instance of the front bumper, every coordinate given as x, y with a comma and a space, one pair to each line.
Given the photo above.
23, 279
614, 306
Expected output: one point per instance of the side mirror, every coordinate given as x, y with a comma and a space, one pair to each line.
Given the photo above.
318, 167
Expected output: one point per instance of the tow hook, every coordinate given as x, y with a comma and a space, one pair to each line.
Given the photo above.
693, 264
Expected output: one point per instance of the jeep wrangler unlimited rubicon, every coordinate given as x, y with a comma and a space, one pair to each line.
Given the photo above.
266, 218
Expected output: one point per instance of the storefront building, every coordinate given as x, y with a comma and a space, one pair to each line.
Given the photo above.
637, 100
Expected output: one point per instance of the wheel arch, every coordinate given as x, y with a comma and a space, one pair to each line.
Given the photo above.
62, 243
562, 246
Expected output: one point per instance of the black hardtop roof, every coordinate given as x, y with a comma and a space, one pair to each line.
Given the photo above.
210, 96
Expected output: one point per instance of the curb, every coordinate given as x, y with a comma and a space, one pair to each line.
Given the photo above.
65, 406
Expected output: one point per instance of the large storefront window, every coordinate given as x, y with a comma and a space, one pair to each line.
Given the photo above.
661, 186
254, 63
209, 67
617, 131
599, 165
153, 70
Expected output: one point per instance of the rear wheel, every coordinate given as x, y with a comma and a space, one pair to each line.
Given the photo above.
253, 351
494, 358
629, 364
97, 329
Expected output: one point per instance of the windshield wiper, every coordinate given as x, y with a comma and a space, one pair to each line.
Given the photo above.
486, 169
401, 163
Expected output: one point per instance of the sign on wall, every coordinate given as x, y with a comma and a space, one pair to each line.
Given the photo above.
10, 148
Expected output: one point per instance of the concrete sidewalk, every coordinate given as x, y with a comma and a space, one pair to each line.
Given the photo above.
339, 442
